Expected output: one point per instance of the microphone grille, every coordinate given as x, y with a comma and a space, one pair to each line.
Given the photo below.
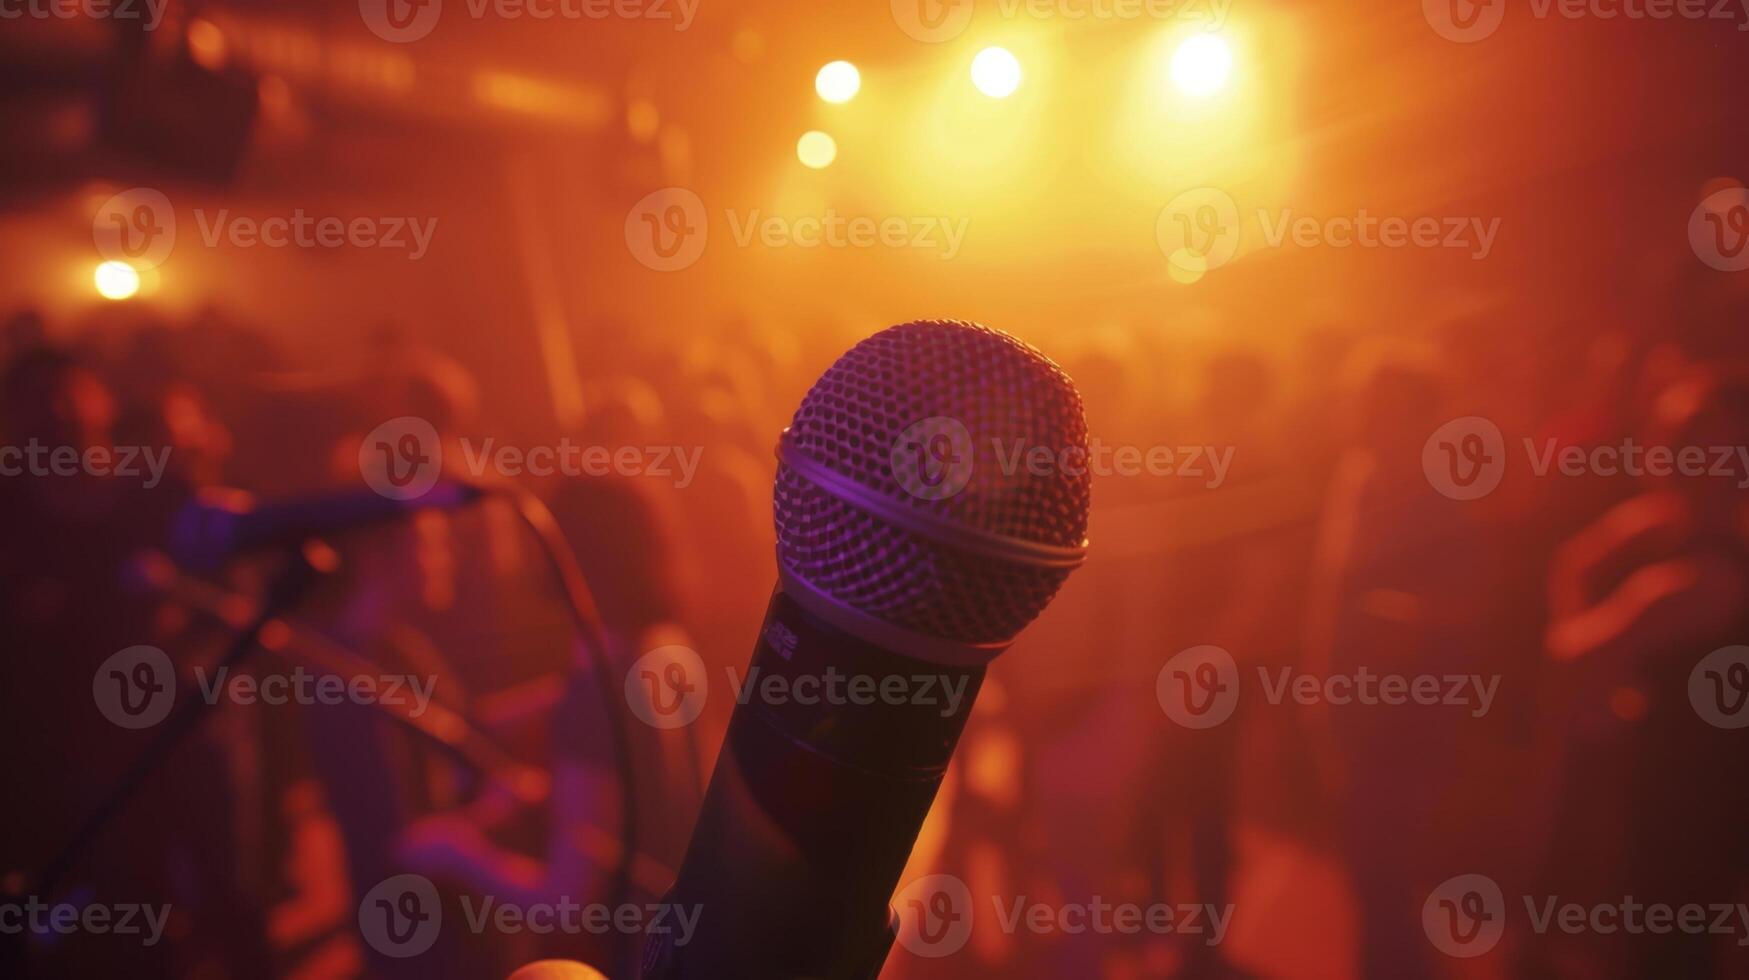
912, 487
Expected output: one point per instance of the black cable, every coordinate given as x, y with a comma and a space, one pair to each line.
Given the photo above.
581, 603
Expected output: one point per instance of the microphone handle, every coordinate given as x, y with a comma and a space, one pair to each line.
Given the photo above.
813, 807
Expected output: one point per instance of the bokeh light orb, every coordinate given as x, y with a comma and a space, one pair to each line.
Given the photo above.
996, 72
115, 280
816, 150
838, 82
1202, 65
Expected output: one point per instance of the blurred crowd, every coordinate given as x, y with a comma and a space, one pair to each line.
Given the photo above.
1326, 542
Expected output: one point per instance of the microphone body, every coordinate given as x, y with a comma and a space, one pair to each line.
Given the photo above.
813, 809
908, 558
213, 529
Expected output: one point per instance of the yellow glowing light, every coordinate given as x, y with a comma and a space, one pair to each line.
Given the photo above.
1201, 65
838, 82
115, 280
996, 72
816, 149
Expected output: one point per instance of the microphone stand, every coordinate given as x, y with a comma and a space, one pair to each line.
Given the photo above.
305, 565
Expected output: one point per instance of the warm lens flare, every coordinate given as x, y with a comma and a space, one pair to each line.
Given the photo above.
996, 72
115, 280
838, 82
816, 150
1201, 65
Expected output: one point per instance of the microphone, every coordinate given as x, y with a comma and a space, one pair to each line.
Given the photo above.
216, 526
931, 497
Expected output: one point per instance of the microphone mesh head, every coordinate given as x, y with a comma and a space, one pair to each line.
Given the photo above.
923, 482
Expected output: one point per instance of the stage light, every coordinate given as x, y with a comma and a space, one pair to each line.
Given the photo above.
115, 280
816, 150
1201, 65
838, 82
996, 72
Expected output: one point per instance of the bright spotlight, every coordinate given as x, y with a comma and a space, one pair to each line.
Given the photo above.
838, 82
816, 150
1201, 65
115, 280
996, 72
